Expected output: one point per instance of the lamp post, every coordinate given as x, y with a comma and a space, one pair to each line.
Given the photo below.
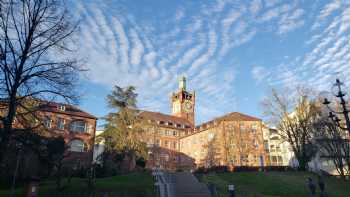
19, 151
333, 114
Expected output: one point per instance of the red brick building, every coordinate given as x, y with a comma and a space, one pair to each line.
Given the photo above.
73, 124
234, 139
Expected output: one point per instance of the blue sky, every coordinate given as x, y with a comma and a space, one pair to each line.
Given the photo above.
232, 52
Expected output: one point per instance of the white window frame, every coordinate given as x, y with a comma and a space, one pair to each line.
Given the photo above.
48, 122
80, 148
74, 127
63, 123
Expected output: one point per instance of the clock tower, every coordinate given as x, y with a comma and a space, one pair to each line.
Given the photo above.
183, 102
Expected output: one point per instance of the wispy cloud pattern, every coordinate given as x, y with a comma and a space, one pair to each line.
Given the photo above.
150, 54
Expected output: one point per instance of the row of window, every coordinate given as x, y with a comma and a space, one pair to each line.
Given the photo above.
168, 123
168, 133
167, 144
242, 127
255, 144
245, 159
78, 126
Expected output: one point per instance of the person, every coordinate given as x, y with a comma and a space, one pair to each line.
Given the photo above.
322, 186
312, 186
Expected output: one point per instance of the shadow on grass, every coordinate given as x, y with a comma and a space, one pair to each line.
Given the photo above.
273, 184
131, 185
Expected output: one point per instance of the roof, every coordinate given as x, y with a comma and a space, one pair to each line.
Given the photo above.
50, 106
237, 116
156, 116
233, 116
69, 109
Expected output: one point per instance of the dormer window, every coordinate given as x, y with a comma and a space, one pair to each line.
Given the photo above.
170, 123
161, 122
178, 125
61, 107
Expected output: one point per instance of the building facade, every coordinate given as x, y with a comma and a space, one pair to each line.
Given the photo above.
74, 125
278, 150
174, 141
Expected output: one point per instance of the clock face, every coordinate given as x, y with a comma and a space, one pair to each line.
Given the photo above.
188, 106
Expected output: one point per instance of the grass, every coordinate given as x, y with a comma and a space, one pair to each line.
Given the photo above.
273, 184
131, 185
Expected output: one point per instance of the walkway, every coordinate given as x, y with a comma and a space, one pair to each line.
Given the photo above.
181, 184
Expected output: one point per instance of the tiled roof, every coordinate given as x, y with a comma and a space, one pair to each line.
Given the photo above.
238, 117
50, 106
156, 116
69, 109
233, 116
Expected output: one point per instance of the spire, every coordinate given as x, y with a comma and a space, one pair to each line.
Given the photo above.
182, 83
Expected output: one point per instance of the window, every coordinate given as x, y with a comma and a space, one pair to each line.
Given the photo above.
166, 143
254, 128
244, 158
77, 146
178, 125
161, 122
278, 148
158, 142
47, 122
62, 107
210, 136
174, 145
60, 123
266, 145
170, 123
230, 127
174, 133
255, 143
241, 127
78, 126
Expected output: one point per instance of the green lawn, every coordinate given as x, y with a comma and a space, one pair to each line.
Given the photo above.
131, 185
273, 184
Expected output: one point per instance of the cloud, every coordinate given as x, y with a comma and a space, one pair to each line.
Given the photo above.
260, 73
329, 8
180, 14
291, 21
122, 47
137, 49
328, 52
255, 6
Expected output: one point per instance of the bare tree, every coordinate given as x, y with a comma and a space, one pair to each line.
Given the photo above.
334, 145
35, 59
294, 116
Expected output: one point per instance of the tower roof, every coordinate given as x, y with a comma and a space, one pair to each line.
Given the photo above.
182, 83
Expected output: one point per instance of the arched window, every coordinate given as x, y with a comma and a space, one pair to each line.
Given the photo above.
77, 146
78, 126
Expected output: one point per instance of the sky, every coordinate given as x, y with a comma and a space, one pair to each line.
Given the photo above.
232, 52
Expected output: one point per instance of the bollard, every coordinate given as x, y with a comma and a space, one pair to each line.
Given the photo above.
231, 190
32, 189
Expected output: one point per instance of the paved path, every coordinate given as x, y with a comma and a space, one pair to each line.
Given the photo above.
185, 184
179, 184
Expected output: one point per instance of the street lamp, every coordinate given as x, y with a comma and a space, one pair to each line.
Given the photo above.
19, 151
333, 114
